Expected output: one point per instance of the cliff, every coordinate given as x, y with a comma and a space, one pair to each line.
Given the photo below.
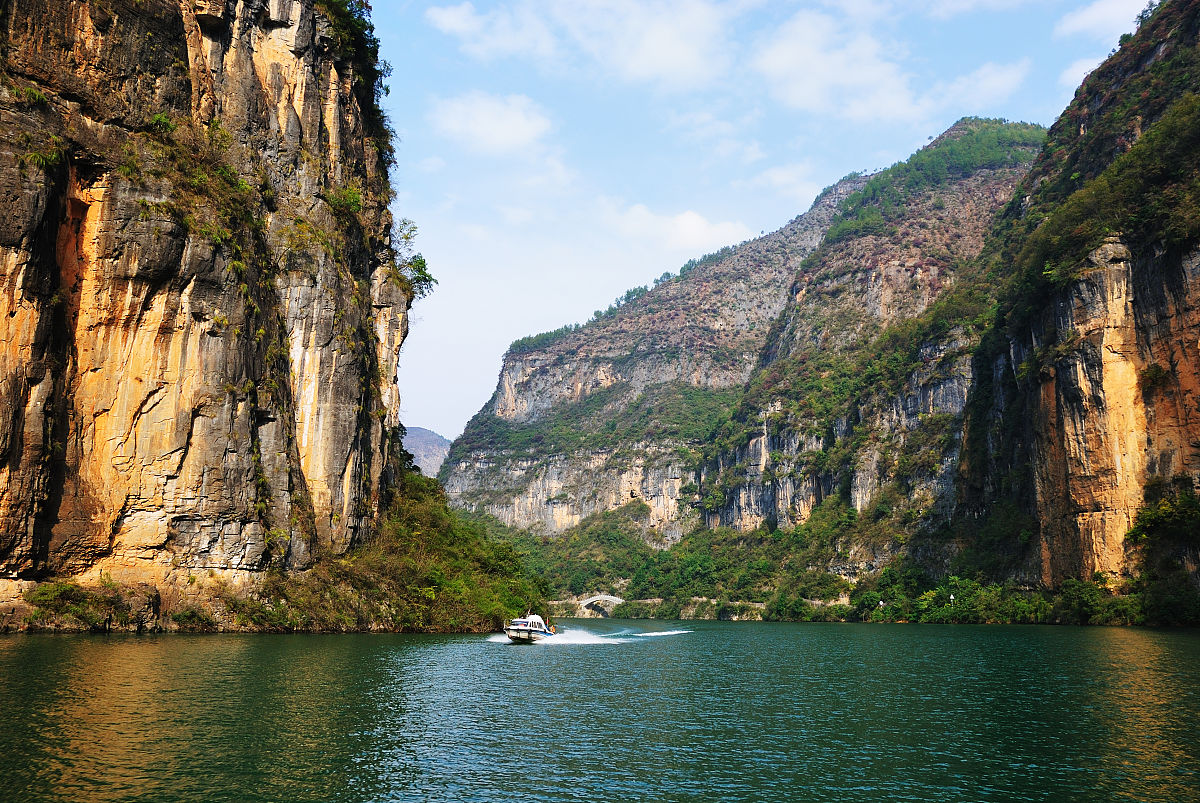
585, 419
637, 405
201, 307
1083, 411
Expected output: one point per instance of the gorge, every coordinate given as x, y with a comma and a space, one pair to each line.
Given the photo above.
977, 366
979, 362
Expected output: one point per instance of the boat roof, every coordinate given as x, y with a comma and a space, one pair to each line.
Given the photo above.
532, 618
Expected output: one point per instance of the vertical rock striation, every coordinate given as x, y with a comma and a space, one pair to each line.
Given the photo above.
1086, 387
201, 312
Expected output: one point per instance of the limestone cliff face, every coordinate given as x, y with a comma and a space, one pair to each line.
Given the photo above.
194, 281
1086, 386
579, 425
1107, 421
1101, 393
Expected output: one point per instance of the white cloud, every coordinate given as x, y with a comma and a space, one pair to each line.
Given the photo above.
943, 9
518, 31
792, 181
673, 44
984, 87
813, 64
549, 174
679, 44
1104, 19
489, 123
724, 138
688, 232
431, 164
1077, 70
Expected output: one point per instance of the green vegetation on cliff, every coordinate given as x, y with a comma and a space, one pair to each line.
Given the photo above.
675, 411
429, 569
775, 574
973, 144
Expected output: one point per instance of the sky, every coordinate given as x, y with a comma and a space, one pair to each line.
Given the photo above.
554, 154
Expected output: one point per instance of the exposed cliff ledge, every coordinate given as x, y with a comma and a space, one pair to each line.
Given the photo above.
201, 313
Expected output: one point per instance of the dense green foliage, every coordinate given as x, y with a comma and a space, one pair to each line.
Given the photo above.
529, 343
977, 145
1167, 533
428, 570
722, 564
672, 410
66, 604
909, 596
1149, 195
721, 573
357, 44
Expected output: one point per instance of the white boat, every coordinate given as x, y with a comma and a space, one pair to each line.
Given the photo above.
529, 628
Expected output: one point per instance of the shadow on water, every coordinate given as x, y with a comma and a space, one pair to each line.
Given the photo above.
610, 710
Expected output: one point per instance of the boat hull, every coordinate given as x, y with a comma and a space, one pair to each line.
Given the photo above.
521, 635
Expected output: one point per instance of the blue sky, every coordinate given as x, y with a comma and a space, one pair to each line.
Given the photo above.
554, 154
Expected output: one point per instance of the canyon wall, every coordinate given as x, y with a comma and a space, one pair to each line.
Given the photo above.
201, 307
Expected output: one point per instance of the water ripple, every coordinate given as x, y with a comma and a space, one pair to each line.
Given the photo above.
714, 711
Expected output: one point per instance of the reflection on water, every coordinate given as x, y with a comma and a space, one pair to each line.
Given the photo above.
607, 710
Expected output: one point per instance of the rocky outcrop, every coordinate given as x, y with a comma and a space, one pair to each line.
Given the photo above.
811, 426
201, 310
1119, 408
557, 492
1085, 388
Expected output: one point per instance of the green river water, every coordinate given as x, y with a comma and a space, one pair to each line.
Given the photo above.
610, 711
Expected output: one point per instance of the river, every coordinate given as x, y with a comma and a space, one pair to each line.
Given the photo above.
608, 711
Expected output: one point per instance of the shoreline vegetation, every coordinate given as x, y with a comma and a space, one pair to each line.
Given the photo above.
434, 570
774, 575
427, 570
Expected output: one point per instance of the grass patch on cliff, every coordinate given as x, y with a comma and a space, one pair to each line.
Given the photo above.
66, 605
428, 569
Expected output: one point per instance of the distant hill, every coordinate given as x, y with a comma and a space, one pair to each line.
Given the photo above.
428, 449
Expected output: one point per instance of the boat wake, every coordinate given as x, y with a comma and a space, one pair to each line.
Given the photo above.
576, 637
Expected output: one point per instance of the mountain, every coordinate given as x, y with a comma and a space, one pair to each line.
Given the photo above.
985, 369
626, 407
586, 419
1082, 416
204, 298
428, 449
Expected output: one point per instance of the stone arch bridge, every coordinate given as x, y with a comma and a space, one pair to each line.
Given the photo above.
598, 605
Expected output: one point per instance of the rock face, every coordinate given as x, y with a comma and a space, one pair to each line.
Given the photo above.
976, 384
198, 289
613, 411
1107, 422
427, 448
1086, 387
